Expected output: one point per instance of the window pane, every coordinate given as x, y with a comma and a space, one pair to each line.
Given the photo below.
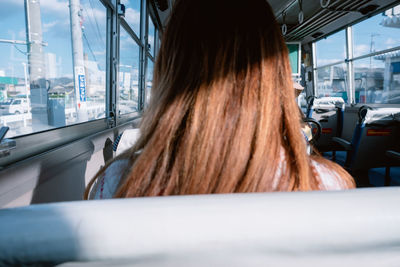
149, 79
151, 38
158, 42
39, 70
14, 76
128, 73
132, 14
331, 49
377, 79
332, 81
377, 33
94, 32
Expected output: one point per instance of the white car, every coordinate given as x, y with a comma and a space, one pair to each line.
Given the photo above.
15, 106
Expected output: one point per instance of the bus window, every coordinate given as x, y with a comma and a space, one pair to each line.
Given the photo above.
332, 81
151, 36
57, 60
132, 14
332, 49
377, 58
149, 78
128, 73
332, 72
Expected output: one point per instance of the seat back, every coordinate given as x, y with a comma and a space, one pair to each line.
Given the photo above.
350, 119
377, 132
331, 120
348, 228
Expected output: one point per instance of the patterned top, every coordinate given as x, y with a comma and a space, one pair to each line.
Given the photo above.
107, 185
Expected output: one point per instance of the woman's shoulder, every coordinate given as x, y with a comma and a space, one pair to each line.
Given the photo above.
107, 184
330, 179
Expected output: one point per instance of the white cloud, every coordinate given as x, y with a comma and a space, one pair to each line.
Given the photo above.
94, 14
151, 40
99, 53
22, 34
390, 41
46, 6
48, 26
127, 43
57, 6
360, 65
132, 16
361, 50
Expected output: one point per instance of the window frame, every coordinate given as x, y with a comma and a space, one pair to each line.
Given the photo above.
349, 60
36, 143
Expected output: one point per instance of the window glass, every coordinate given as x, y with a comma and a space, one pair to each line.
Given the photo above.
151, 36
332, 82
158, 42
149, 79
377, 79
331, 49
377, 33
132, 14
128, 73
14, 76
38, 66
94, 32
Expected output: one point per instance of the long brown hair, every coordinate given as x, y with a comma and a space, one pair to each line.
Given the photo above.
222, 116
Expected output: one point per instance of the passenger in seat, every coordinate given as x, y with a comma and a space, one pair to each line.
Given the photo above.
304, 126
222, 117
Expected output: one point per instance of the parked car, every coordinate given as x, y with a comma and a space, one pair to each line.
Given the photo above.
14, 106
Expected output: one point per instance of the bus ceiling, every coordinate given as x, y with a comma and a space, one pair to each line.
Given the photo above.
321, 18
307, 20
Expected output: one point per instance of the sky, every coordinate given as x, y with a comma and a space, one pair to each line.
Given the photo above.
55, 21
332, 49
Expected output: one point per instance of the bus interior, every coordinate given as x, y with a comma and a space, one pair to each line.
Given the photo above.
79, 73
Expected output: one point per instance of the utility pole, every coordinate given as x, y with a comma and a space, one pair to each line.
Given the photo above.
37, 67
372, 48
78, 60
370, 78
27, 91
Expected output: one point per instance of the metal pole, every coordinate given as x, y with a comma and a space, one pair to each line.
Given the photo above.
314, 66
27, 93
78, 61
13, 42
350, 66
37, 67
142, 55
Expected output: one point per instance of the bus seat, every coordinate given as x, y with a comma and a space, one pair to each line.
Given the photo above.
331, 120
392, 156
376, 132
350, 119
346, 228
